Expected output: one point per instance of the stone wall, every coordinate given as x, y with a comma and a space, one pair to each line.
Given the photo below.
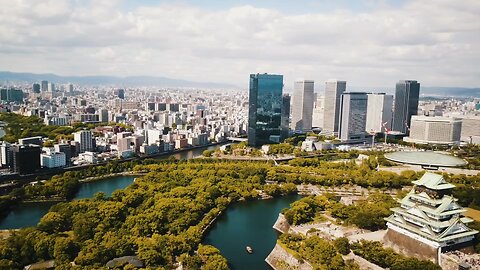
362, 263
281, 224
452, 260
280, 259
409, 246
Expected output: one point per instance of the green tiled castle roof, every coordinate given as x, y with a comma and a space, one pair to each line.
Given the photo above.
433, 181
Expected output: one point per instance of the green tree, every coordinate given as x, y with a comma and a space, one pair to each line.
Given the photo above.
207, 153
342, 245
65, 249
53, 222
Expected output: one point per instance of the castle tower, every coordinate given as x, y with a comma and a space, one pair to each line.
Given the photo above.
429, 220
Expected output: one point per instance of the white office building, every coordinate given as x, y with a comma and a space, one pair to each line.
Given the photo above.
302, 105
84, 139
88, 157
318, 112
379, 112
470, 128
53, 160
333, 92
51, 87
154, 136
434, 130
6, 154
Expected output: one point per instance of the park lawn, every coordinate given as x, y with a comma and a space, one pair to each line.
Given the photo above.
472, 213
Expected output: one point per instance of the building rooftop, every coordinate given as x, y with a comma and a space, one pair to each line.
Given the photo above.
426, 158
433, 181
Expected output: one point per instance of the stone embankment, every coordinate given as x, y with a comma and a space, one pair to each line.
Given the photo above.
101, 177
281, 224
280, 259
326, 229
362, 263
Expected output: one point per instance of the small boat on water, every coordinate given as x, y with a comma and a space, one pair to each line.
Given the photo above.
249, 249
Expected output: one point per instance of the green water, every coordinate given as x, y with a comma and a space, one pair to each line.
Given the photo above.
197, 152
248, 224
107, 186
25, 215
29, 214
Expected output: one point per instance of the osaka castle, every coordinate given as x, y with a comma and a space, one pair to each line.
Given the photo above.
429, 220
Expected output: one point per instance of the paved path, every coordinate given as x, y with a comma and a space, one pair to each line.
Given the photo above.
399, 169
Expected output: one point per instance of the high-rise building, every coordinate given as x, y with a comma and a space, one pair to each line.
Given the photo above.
11, 95
51, 87
379, 112
302, 105
265, 109
406, 104
434, 130
103, 116
120, 93
67, 150
286, 100
333, 91
36, 88
69, 88
318, 112
44, 86
26, 158
353, 116
84, 138
6, 154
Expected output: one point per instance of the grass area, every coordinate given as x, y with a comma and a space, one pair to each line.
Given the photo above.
472, 213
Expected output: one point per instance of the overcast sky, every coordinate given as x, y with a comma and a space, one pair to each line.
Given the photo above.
366, 43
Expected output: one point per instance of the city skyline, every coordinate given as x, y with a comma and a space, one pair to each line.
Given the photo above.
368, 44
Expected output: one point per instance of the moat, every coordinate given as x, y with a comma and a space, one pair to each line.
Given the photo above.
248, 224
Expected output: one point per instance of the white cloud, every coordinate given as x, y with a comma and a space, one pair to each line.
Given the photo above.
435, 42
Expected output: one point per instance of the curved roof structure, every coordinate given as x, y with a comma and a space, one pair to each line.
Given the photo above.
425, 158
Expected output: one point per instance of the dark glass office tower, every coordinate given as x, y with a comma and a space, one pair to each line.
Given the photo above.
120, 93
36, 88
353, 116
286, 114
26, 158
406, 104
265, 109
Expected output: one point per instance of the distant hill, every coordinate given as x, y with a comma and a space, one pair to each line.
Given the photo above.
107, 80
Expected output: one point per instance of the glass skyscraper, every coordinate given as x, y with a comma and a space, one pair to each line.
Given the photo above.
286, 114
406, 105
353, 116
265, 109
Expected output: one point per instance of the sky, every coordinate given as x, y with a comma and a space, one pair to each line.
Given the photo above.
370, 43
